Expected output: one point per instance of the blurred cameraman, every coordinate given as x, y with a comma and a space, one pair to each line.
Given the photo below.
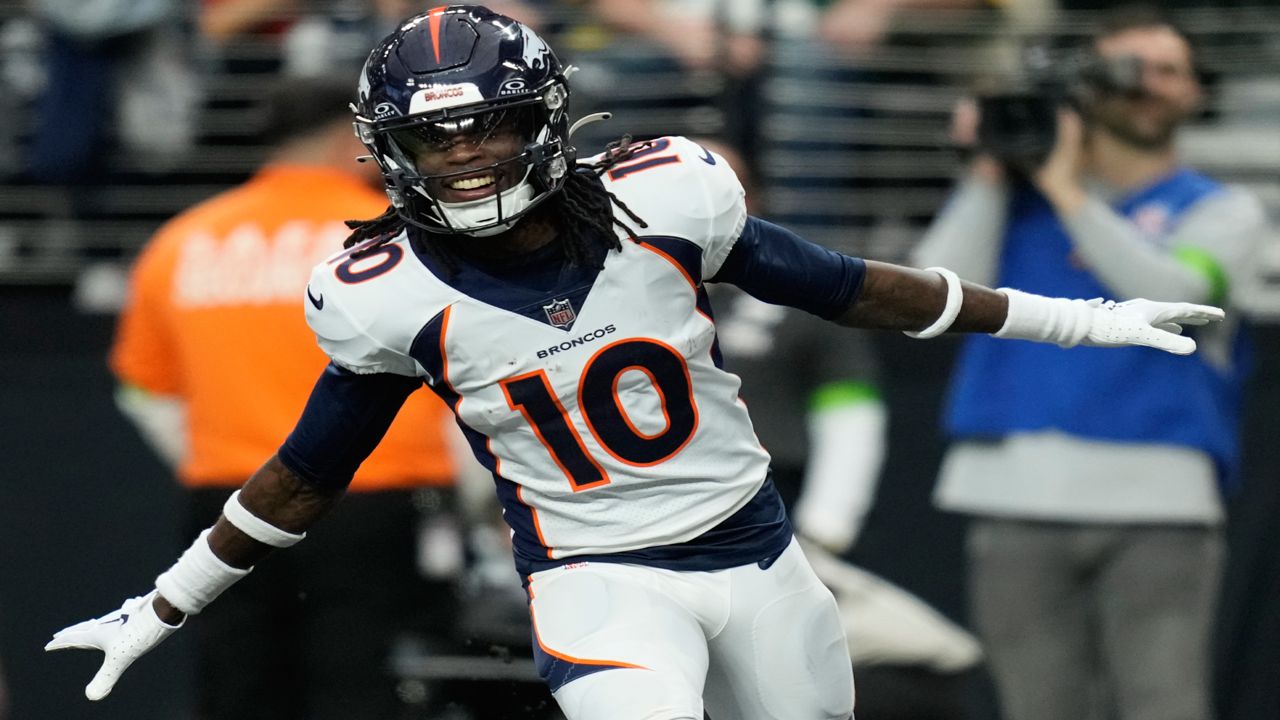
1095, 481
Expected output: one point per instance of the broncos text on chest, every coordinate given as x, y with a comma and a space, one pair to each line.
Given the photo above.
582, 339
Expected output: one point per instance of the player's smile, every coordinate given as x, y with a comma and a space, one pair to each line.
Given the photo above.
474, 167
472, 183
474, 186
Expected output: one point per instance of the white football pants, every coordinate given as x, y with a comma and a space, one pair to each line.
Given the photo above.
627, 642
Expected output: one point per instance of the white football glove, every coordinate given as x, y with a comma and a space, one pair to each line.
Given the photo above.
1147, 322
1104, 324
124, 635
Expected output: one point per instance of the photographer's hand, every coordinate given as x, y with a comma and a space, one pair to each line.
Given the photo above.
964, 133
1059, 178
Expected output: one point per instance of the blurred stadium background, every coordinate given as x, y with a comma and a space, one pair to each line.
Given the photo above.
849, 150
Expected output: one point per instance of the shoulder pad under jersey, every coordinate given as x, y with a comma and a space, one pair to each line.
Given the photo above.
350, 308
681, 189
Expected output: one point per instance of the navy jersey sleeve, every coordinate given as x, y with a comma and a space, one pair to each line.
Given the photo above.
775, 265
344, 420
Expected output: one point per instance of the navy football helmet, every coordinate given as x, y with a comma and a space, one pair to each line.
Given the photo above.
464, 70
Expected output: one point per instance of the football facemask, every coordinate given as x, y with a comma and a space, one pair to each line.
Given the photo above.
444, 168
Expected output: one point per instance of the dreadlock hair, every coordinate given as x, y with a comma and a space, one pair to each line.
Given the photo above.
584, 221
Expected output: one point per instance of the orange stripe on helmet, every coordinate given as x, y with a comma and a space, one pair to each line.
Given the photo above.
435, 15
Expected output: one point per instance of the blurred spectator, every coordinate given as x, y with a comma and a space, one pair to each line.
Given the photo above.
699, 34
21, 79
111, 60
816, 407
663, 67
1095, 483
321, 38
221, 21
859, 26
214, 361
821, 113
334, 38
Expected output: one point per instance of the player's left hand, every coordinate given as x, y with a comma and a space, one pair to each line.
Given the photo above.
1148, 323
123, 635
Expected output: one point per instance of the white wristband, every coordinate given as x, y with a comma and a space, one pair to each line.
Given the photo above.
955, 298
197, 578
1045, 319
255, 527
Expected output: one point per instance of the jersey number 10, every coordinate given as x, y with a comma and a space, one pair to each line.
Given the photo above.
601, 408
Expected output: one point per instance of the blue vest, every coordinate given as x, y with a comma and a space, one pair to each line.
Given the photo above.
1117, 394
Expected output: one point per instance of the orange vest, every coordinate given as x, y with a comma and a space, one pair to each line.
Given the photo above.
215, 318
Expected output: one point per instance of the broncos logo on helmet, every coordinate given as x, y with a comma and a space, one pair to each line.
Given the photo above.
537, 54
464, 70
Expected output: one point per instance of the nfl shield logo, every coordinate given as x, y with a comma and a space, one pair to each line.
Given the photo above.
560, 313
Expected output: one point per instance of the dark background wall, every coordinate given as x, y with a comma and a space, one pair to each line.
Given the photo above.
88, 517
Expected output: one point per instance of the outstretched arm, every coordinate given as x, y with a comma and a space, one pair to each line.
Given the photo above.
278, 497
273, 509
345, 418
777, 266
894, 297
901, 298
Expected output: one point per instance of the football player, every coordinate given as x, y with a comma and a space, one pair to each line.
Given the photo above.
558, 306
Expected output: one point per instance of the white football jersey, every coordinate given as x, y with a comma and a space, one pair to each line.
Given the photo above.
599, 406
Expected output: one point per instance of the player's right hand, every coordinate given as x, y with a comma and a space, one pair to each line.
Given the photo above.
124, 635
